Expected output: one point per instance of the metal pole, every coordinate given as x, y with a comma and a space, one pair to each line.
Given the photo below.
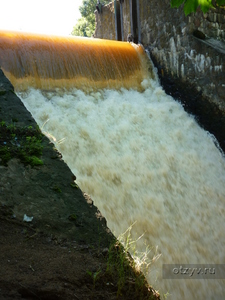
138, 22
121, 19
131, 20
115, 11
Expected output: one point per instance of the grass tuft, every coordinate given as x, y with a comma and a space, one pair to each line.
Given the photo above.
130, 268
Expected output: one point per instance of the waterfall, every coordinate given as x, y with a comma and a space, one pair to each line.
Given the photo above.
46, 62
133, 148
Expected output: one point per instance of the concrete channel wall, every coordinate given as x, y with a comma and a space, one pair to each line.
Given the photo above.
188, 51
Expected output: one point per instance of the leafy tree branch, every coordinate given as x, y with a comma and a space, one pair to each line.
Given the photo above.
192, 5
86, 25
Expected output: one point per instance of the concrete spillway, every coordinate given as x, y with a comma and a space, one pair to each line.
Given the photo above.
133, 148
41, 61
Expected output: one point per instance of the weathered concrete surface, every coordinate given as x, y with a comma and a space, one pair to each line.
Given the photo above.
105, 23
189, 53
45, 192
57, 254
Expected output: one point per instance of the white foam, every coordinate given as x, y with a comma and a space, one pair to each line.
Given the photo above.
142, 158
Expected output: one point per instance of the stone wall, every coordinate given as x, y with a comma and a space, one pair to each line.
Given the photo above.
188, 51
190, 48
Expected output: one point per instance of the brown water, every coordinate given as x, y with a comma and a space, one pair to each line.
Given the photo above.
135, 150
45, 62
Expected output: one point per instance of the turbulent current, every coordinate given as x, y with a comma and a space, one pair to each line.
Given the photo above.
140, 156
144, 160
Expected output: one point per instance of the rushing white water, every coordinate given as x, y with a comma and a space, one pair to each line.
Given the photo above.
143, 159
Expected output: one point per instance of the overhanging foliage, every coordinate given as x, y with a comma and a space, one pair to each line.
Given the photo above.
192, 5
86, 25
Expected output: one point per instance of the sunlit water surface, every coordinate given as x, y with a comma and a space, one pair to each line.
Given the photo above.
143, 159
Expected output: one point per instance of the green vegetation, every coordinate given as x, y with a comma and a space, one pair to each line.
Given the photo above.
74, 185
72, 217
57, 189
121, 273
192, 5
83, 28
86, 25
22, 143
94, 276
122, 265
